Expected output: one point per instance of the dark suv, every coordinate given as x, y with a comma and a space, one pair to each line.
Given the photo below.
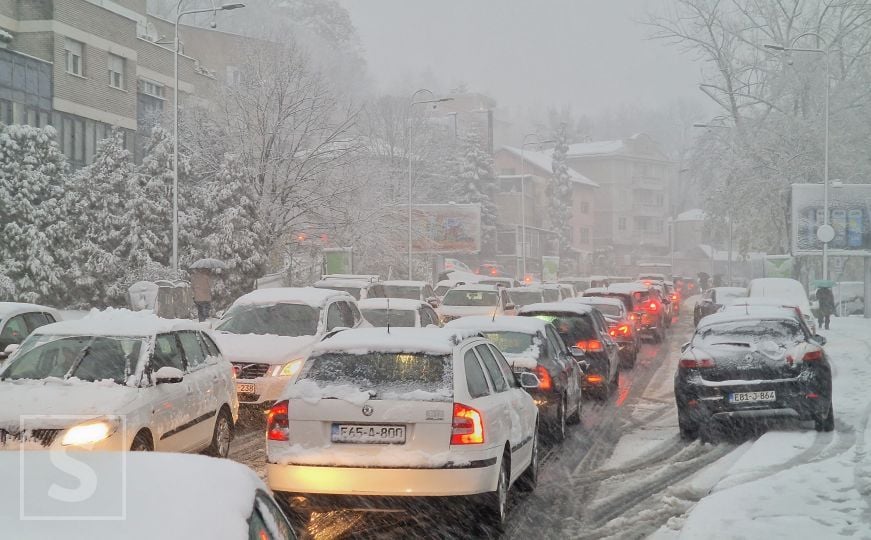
645, 309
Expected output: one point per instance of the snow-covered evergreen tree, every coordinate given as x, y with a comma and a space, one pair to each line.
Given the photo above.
151, 202
33, 251
478, 187
559, 192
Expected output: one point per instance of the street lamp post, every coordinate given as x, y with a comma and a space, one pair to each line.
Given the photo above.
411, 158
825, 53
180, 14
523, 145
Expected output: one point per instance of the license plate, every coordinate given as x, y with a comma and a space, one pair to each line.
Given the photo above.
752, 397
368, 434
246, 388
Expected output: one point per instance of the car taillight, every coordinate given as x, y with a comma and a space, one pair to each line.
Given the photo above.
467, 426
652, 307
545, 382
277, 424
813, 356
696, 363
590, 345
594, 378
493, 271
620, 330
674, 298
634, 316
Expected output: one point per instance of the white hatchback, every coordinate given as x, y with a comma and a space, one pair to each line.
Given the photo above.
118, 380
414, 412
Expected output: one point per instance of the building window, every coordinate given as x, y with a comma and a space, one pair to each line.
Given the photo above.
74, 53
657, 225
585, 207
621, 224
152, 89
660, 199
116, 72
642, 223
585, 235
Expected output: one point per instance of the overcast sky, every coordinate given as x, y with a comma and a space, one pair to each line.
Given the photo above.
590, 54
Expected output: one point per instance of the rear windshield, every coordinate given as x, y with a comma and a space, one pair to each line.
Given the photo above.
609, 310
290, 320
471, 298
402, 291
750, 331
551, 295
627, 301
510, 342
572, 328
396, 317
442, 289
525, 298
353, 291
401, 376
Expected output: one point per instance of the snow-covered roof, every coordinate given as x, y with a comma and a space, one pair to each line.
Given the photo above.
544, 161
294, 295
11, 309
597, 301
435, 341
405, 283
161, 488
524, 325
536, 287
557, 307
596, 148
476, 287
343, 283
723, 255
118, 322
736, 313
695, 214
401, 304
622, 288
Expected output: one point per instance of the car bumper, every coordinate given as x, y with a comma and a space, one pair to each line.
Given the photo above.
266, 390
479, 476
792, 401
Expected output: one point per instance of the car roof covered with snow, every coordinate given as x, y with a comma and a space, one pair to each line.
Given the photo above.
118, 322
536, 287
165, 495
436, 341
523, 325
597, 301
572, 308
290, 295
399, 304
733, 314
623, 288
348, 283
11, 309
476, 287
404, 283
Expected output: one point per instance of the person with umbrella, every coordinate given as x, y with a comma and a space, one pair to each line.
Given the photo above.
826, 299
201, 283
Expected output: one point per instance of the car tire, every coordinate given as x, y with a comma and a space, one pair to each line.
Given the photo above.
142, 442
689, 430
604, 392
529, 479
221, 436
710, 432
575, 417
558, 427
826, 423
629, 363
495, 505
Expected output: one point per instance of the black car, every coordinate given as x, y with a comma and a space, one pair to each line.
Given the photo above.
645, 310
585, 331
714, 300
753, 365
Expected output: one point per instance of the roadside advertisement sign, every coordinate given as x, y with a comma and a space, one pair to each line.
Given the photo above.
549, 269
338, 261
778, 266
446, 228
849, 217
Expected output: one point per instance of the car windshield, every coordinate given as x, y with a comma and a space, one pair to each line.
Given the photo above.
471, 298
402, 291
609, 310
442, 289
276, 319
525, 298
750, 331
88, 358
386, 375
572, 328
551, 295
353, 291
510, 342
395, 317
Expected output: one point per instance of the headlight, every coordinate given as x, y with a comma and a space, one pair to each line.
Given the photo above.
289, 369
89, 433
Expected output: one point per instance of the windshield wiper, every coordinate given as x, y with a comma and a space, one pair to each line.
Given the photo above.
78, 361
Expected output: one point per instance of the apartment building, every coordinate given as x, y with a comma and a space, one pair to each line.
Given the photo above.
86, 66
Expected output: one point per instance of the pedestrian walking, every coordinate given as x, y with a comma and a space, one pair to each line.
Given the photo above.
201, 283
827, 306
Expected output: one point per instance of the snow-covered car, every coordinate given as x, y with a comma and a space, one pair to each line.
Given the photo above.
118, 380
412, 290
715, 299
752, 364
398, 312
784, 288
167, 495
360, 287
522, 296
414, 412
533, 345
473, 299
553, 292
18, 320
621, 327
642, 305
267, 334
453, 279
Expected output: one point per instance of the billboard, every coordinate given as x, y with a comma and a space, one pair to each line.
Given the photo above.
549, 269
777, 266
849, 216
446, 228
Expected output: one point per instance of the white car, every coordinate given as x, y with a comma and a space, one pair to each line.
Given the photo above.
474, 299
18, 320
784, 289
167, 496
414, 412
358, 286
413, 290
119, 380
398, 312
267, 334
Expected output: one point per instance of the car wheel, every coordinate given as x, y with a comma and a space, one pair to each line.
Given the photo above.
710, 432
604, 392
221, 437
558, 429
529, 479
496, 502
826, 423
629, 362
142, 443
689, 430
575, 417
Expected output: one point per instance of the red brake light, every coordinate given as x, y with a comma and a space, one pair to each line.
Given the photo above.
594, 378
696, 363
467, 426
277, 425
652, 307
590, 345
674, 297
545, 380
493, 272
813, 356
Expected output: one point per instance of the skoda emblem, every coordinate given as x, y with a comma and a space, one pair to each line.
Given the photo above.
367, 410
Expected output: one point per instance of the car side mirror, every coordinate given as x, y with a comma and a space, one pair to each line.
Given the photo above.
685, 346
577, 352
529, 381
168, 375
219, 314
583, 365
820, 339
433, 301
509, 307
7, 352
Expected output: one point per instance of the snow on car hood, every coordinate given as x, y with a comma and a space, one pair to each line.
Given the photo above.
62, 397
465, 311
263, 349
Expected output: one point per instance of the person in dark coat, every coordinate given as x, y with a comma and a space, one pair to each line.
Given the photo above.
827, 306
